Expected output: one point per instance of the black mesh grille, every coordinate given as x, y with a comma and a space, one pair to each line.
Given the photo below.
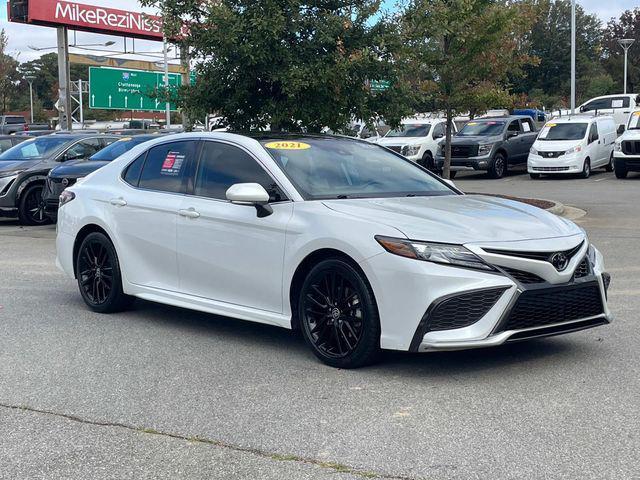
464, 151
631, 147
463, 310
550, 154
583, 269
537, 308
522, 276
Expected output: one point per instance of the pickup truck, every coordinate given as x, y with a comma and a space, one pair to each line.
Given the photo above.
15, 123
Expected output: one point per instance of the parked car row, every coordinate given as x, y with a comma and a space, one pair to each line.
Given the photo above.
16, 123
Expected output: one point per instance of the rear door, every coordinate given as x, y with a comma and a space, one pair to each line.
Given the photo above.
145, 213
594, 145
226, 251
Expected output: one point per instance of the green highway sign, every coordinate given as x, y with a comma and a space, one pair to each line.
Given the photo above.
121, 89
379, 85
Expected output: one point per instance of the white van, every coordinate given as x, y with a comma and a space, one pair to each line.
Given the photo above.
574, 144
618, 106
417, 139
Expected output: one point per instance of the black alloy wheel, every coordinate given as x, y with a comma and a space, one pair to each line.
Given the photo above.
498, 167
339, 316
99, 277
31, 210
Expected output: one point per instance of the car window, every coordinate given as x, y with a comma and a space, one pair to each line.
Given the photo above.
483, 129
599, 104
131, 174
15, 120
106, 141
514, 126
84, 149
593, 132
165, 166
5, 145
410, 130
438, 130
222, 165
37, 148
620, 102
527, 125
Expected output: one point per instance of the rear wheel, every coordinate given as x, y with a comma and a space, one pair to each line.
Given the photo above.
609, 167
498, 167
586, 169
338, 315
31, 207
99, 276
534, 176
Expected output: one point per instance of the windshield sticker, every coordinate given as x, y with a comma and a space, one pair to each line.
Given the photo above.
172, 164
126, 139
636, 114
472, 123
287, 146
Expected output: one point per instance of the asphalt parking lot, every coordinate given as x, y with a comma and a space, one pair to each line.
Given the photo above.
159, 392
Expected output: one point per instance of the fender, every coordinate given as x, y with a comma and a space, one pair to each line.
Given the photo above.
27, 182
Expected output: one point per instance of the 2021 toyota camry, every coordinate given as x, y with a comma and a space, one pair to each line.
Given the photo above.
349, 242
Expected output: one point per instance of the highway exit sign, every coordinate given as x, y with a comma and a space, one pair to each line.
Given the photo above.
121, 89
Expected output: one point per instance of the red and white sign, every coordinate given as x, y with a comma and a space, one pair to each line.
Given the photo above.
96, 19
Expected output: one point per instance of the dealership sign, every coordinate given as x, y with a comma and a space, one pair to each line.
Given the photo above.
90, 18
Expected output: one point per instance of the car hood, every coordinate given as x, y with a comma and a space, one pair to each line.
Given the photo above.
78, 168
7, 166
555, 145
459, 219
474, 140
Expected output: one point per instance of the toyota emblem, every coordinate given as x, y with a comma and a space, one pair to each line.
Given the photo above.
560, 261
65, 182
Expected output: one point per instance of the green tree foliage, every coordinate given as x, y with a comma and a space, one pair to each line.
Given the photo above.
460, 53
627, 26
288, 64
9, 76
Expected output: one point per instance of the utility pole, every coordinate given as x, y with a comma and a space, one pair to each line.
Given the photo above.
166, 83
573, 56
626, 43
187, 122
66, 122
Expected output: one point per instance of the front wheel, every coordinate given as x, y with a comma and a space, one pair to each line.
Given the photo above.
99, 276
586, 169
31, 207
498, 167
621, 170
427, 161
534, 176
339, 316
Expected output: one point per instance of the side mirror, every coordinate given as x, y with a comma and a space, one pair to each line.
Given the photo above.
583, 109
250, 194
621, 129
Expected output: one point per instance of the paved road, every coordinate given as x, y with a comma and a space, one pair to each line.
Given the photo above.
160, 392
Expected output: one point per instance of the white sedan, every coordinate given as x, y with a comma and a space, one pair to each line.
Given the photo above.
355, 246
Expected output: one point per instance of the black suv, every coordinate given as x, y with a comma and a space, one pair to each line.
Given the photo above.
24, 169
491, 144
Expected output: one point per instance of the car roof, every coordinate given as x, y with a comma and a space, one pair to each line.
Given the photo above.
421, 121
506, 118
580, 118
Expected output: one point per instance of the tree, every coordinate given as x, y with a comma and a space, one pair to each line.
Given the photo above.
287, 64
627, 26
459, 54
9, 76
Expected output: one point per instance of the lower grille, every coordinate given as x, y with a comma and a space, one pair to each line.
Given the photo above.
583, 269
538, 308
463, 310
550, 154
631, 147
464, 151
395, 148
551, 169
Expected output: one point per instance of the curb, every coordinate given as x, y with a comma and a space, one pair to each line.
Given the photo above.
557, 208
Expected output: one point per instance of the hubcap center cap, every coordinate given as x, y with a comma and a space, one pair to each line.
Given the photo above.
335, 313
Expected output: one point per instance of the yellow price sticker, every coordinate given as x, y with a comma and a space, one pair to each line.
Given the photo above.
636, 114
472, 123
552, 125
287, 145
126, 139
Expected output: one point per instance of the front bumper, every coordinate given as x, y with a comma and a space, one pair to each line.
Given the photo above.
564, 164
475, 163
627, 162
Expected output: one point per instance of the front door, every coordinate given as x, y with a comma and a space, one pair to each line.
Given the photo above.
226, 251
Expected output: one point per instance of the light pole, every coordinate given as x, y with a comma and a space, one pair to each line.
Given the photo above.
573, 56
625, 43
30, 78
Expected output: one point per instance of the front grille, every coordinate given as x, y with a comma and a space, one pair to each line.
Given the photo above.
395, 148
464, 151
541, 256
550, 154
538, 308
583, 269
631, 147
522, 276
551, 169
463, 310
56, 186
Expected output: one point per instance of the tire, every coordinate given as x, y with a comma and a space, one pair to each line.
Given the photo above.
498, 167
31, 206
586, 169
534, 176
609, 166
338, 315
427, 162
620, 171
99, 275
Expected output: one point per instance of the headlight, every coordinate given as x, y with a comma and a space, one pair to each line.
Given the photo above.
573, 150
617, 147
533, 151
485, 149
410, 150
433, 252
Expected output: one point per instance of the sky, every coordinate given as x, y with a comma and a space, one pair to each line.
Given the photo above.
23, 36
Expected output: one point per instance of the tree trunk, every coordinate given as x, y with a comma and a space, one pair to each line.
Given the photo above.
446, 166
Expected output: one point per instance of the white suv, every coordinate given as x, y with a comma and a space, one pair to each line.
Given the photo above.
574, 144
627, 148
417, 139
618, 106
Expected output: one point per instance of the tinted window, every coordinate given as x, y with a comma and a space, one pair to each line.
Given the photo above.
15, 120
5, 145
411, 130
439, 130
527, 125
116, 149
620, 102
165, 167
132, 173
514, 126
223, 165
34, 149
84, 149
481, 129
593, 132
563, 131
599, 104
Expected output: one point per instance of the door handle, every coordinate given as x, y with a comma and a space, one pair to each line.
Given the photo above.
190, 213
118, 202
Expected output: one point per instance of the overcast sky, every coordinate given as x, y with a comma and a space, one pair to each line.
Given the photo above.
23, 36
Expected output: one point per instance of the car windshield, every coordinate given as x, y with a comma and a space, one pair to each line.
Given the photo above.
481, 129
563, 131
34, 149
116, 149
329, 167
634, 121
410, 130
